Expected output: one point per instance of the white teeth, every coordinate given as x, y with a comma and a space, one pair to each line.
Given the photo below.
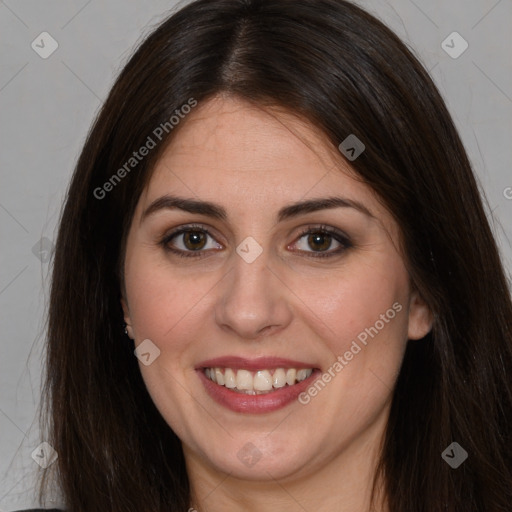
262, 381
279, 378
244, 380
259, 382
219, 377
229, 378
291, 375
302, 374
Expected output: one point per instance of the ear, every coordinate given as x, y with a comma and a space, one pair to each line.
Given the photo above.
420, 317
127, 318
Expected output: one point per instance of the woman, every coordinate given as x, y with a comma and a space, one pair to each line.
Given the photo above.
275, 286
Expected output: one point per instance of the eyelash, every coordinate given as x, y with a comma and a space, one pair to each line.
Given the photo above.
338, 236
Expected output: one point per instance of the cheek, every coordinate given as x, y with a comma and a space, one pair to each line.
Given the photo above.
359, 301
161, 298
361, 321
165, 307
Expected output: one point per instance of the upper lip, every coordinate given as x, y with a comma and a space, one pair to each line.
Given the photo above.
259, 363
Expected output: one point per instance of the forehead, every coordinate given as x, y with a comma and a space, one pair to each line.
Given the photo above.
240, 136
237, 153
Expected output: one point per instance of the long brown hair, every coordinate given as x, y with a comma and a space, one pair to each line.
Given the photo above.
346, 73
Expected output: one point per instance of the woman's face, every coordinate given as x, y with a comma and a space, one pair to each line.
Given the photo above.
253, 250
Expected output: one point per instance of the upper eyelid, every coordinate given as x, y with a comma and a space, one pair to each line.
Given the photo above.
188, 227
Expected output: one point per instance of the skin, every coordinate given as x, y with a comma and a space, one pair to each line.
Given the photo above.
287, 303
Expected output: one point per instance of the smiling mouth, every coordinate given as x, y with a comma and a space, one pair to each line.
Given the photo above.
260, 382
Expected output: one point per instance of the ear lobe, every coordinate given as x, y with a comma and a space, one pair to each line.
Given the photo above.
420, 317
127, 318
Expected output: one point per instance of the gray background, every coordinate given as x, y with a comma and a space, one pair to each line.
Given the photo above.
47, 106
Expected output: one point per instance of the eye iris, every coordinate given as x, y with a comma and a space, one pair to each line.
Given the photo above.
319, 241
194, 240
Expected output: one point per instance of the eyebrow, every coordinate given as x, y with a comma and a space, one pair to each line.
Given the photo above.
216, 211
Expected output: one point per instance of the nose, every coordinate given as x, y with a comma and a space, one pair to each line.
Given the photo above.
253, 301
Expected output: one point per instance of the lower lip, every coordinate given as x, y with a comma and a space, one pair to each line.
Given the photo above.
255, 404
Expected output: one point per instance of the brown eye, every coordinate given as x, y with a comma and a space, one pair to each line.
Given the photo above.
194, 240
322, 241
190, 241
319, 241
